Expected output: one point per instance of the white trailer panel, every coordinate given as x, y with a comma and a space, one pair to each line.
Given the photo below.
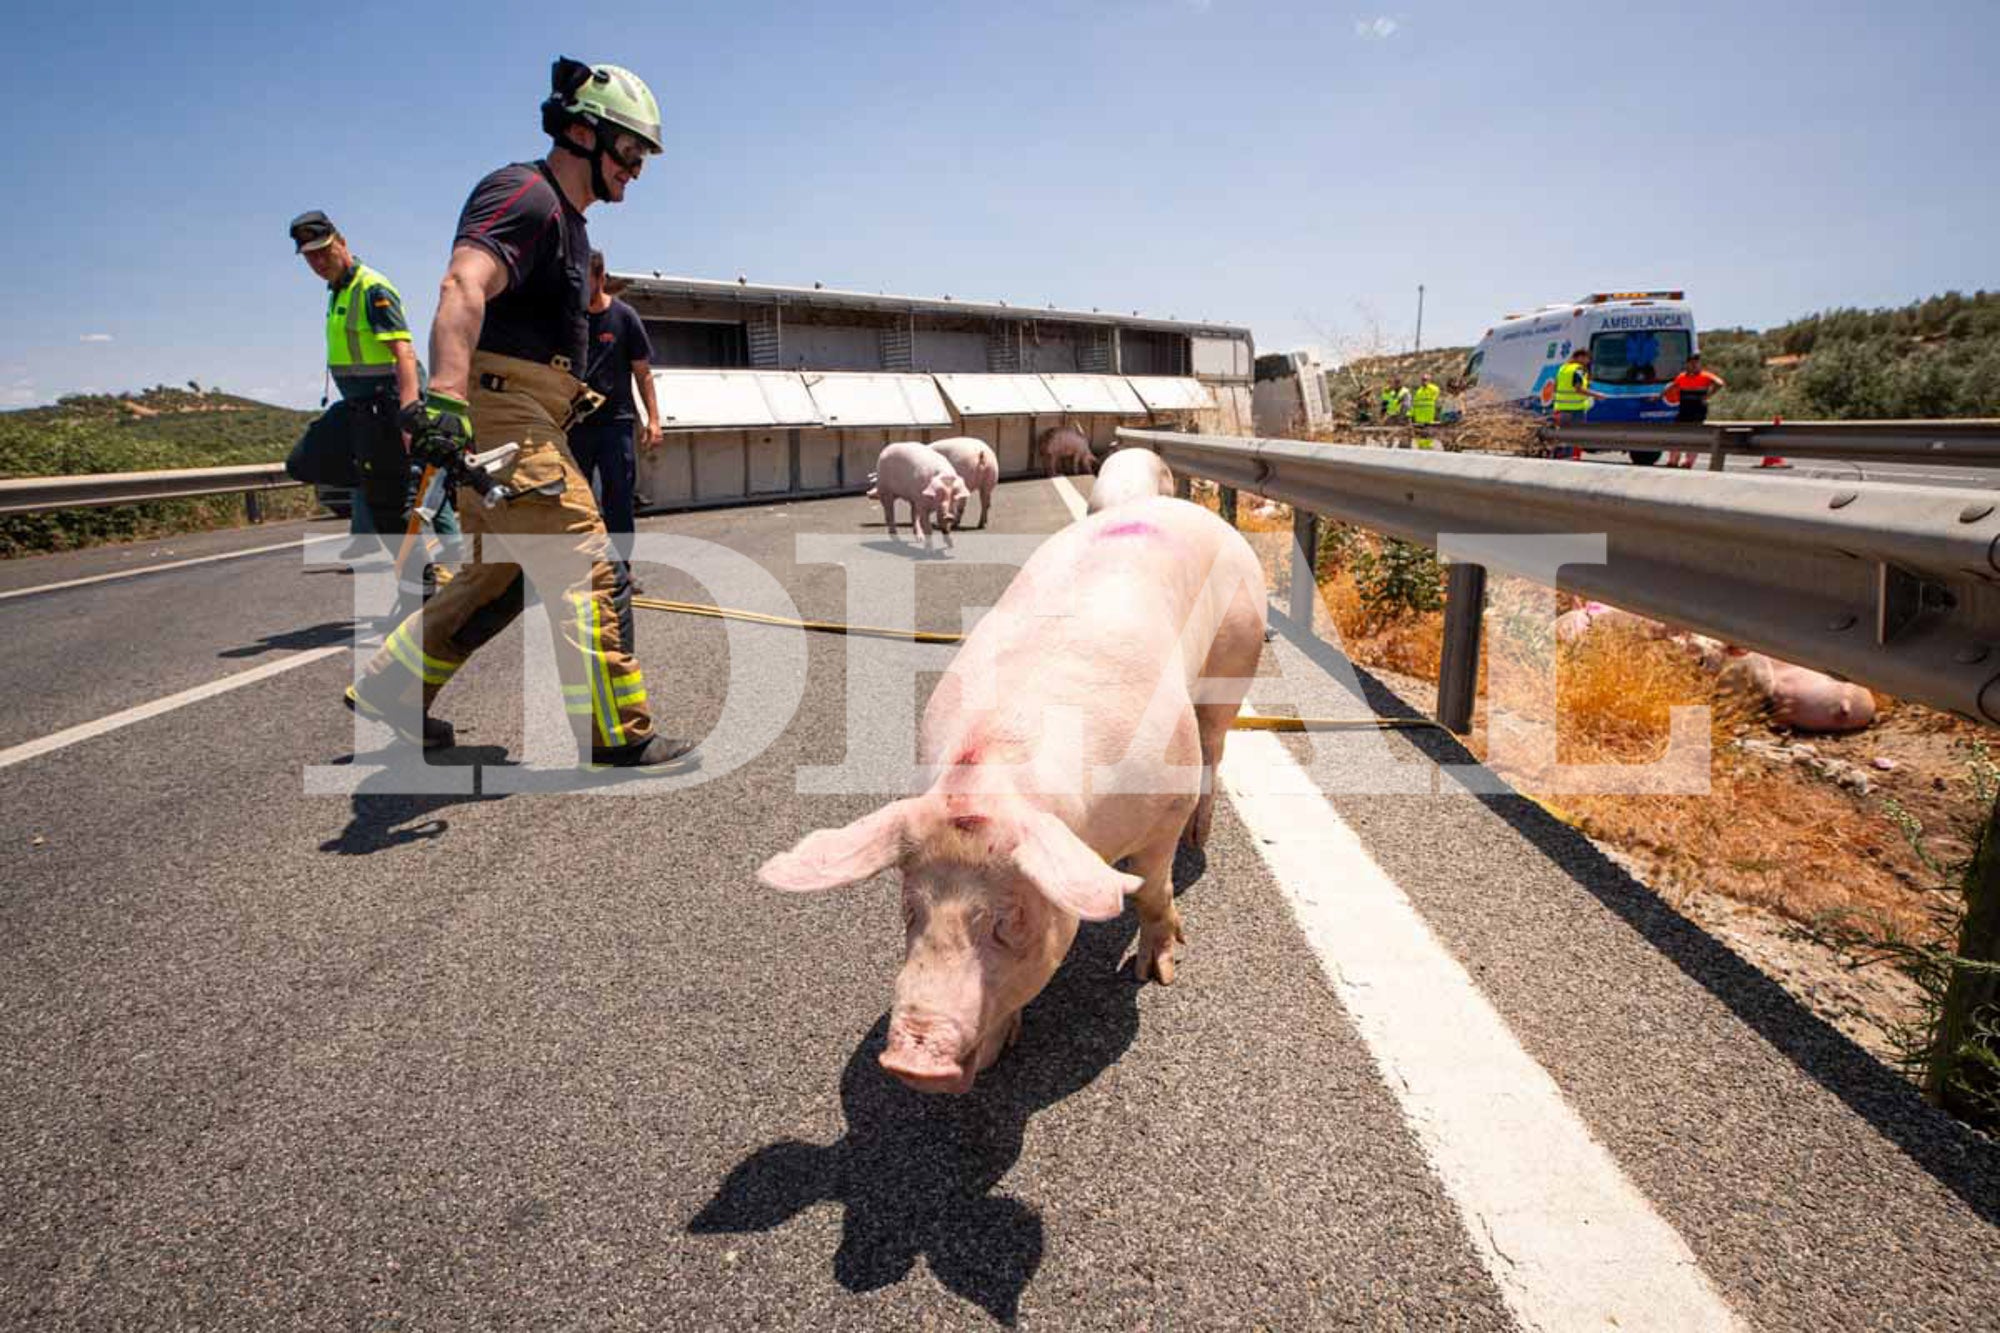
711, 399
1108, 395
999, 395
849, 400
1171, 393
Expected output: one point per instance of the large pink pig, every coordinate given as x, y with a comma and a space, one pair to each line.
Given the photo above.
1130, 474
976, 466
1797, 696
921, 475
1090, 659
1065, 449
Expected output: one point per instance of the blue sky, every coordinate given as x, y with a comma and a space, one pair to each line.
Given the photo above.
1291, 165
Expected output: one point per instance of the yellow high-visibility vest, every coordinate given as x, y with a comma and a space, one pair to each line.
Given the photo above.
355, 353
1571, 381
1392, 403
1424, 406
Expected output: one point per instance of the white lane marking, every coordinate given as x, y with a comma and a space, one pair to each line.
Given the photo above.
160, 569
1568, 1240
1067, 492
89, 730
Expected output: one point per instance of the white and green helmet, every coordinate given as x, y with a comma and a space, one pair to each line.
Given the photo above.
616, 96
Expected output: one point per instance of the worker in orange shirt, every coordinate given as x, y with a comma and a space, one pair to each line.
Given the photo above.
1689, 391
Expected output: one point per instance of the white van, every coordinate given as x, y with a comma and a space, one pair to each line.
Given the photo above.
1638, 342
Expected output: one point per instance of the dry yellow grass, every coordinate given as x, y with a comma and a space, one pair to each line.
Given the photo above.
1779, 838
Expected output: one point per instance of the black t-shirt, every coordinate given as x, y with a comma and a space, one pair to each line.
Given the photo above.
617, 339
520, 217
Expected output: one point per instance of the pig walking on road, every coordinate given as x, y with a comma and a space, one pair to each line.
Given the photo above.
1065, 449
1130, 474
976, 466
920, 474
1078, 728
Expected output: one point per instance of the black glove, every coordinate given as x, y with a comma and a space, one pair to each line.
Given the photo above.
439, 427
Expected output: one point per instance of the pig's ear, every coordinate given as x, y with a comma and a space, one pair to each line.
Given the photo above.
1065, 870
836, 856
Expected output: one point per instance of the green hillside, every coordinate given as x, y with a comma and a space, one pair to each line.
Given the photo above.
1938, 357
160, 428
1933, 358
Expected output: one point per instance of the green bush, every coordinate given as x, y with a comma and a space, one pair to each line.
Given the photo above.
162, 428
1397, 579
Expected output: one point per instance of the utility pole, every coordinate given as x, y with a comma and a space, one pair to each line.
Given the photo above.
1420, 317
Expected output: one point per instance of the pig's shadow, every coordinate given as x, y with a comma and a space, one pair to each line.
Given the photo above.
915, 1171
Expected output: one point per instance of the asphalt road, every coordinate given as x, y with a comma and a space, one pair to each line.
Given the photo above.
277, 1060
1909, 474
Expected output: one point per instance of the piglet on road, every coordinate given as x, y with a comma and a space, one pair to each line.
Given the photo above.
1064, 449
1077, 729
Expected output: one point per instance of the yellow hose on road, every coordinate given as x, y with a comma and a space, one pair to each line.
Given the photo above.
816, 626
1258, 722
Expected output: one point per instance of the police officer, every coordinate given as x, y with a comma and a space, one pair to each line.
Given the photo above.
507, 348
371, 359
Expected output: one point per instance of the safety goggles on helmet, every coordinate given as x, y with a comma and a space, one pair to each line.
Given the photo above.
628, 150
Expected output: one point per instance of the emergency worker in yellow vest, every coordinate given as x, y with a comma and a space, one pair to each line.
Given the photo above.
1424, 410
371, 360
1395, 400
507, 349
1573, 395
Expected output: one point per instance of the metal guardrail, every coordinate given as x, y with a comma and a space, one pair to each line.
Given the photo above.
1891, 585
1961, 442
37, 495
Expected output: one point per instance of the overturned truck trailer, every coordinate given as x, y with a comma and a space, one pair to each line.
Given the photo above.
774, 392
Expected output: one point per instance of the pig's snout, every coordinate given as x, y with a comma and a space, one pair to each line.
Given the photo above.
927, 1054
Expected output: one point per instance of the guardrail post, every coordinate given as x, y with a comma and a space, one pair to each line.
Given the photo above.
1458, 671
1305, 567
252, 507
1228, 504
1721, 450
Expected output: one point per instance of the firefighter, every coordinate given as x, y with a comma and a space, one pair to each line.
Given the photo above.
507, 348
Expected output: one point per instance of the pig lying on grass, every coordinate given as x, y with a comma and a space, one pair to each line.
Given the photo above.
1793, 696
1018, 836
1797, 696
920, 474
976, 466
1130, 474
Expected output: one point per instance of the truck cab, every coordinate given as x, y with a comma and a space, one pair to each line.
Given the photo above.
1638, 342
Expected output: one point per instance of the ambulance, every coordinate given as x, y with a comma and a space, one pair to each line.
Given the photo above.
1638, 342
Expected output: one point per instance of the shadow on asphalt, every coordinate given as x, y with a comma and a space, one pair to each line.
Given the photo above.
1959, 1159
323, 635
915, 1171
382, 819
909, 548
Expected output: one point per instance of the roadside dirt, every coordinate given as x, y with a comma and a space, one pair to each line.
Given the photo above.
1798, 834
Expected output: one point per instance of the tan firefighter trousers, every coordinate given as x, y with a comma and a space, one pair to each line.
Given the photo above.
603, 692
